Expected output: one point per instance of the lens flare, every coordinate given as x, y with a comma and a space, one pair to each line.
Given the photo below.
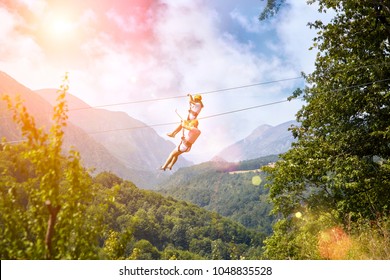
334, 244
256, 180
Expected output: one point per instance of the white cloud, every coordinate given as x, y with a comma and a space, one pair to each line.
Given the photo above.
7, 26
249, 24
21, 56
295, 35
35, 6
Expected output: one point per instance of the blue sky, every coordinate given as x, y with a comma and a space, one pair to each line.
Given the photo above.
240, 18
123, 51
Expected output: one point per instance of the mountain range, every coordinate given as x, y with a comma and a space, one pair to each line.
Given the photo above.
124, 152
115, 142
263, 141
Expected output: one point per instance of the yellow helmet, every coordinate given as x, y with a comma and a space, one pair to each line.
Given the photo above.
198, 97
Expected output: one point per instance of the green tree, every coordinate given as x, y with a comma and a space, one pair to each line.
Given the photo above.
44, 195
144, 250
108, 179
340, 162
272, 7
179, 234
220, 250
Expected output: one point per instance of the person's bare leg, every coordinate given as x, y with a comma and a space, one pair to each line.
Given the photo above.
169, 159
176, 131
174, 159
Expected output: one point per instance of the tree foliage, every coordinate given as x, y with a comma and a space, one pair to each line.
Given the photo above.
271, 9
340, 162
44, 194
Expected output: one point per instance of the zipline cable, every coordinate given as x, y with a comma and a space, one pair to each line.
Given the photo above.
240, 110
183, 96
179, 96
201, 118
175, 123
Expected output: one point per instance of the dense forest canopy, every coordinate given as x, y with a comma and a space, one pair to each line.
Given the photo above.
234, 190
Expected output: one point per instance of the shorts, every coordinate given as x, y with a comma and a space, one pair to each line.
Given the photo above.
183, 148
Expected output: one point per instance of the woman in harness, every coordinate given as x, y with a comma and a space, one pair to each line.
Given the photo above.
196, 106
186, 143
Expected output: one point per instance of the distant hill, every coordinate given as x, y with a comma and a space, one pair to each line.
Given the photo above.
131, 141
264, 140
120, 153
226, 188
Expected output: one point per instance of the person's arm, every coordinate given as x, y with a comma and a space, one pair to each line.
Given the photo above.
191, 98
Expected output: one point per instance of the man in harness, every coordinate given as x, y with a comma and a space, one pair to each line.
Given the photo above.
196, 106
186, 143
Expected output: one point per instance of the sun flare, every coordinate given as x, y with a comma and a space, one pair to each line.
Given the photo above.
61, 27
60, 35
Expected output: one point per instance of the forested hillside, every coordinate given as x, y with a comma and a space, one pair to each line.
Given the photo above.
234, 190
146, 225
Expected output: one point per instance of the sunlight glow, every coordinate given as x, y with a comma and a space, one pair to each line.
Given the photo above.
61, 27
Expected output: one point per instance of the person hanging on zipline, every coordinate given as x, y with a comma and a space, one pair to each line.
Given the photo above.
189, 137
196, 106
